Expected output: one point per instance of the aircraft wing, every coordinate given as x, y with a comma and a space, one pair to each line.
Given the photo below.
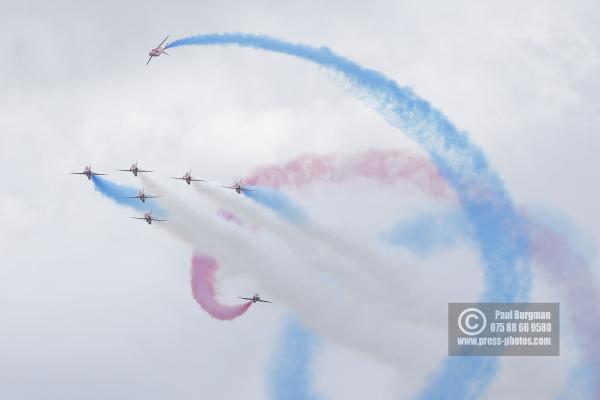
172, 177
264, 301
159, 220
248, 190
245, 298
149, 59
227, 187
124, 170
134, 197
164, 40
95, 173
78, 173
198, 180
137, 217
150, 197
145, 170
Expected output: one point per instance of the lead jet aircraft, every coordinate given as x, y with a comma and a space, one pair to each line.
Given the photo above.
157, 51
142, 196
188, 178
254, 299
134, 168
149, 218
87, 171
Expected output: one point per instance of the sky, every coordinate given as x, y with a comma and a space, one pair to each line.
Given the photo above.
95, 305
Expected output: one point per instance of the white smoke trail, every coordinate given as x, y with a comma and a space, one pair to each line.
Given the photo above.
352, 263
341, 315
295, 235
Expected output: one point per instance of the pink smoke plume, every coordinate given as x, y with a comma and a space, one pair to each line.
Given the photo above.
203, 289
384, 166
229, 216
568, 269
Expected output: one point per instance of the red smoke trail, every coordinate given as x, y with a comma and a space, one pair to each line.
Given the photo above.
384, 166
229, 216
203, 289
569, 270
234, 218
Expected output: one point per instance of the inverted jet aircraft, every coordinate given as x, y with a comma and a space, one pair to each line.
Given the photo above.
157, 51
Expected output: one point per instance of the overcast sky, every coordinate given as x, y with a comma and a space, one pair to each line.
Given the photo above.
94, 305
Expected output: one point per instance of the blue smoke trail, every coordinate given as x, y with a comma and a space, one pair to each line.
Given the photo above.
499, 231
422, 234
580, 384
119, 193
278, 202
290, 372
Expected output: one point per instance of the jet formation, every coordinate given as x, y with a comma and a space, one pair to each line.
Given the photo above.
142, 196
238, 186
